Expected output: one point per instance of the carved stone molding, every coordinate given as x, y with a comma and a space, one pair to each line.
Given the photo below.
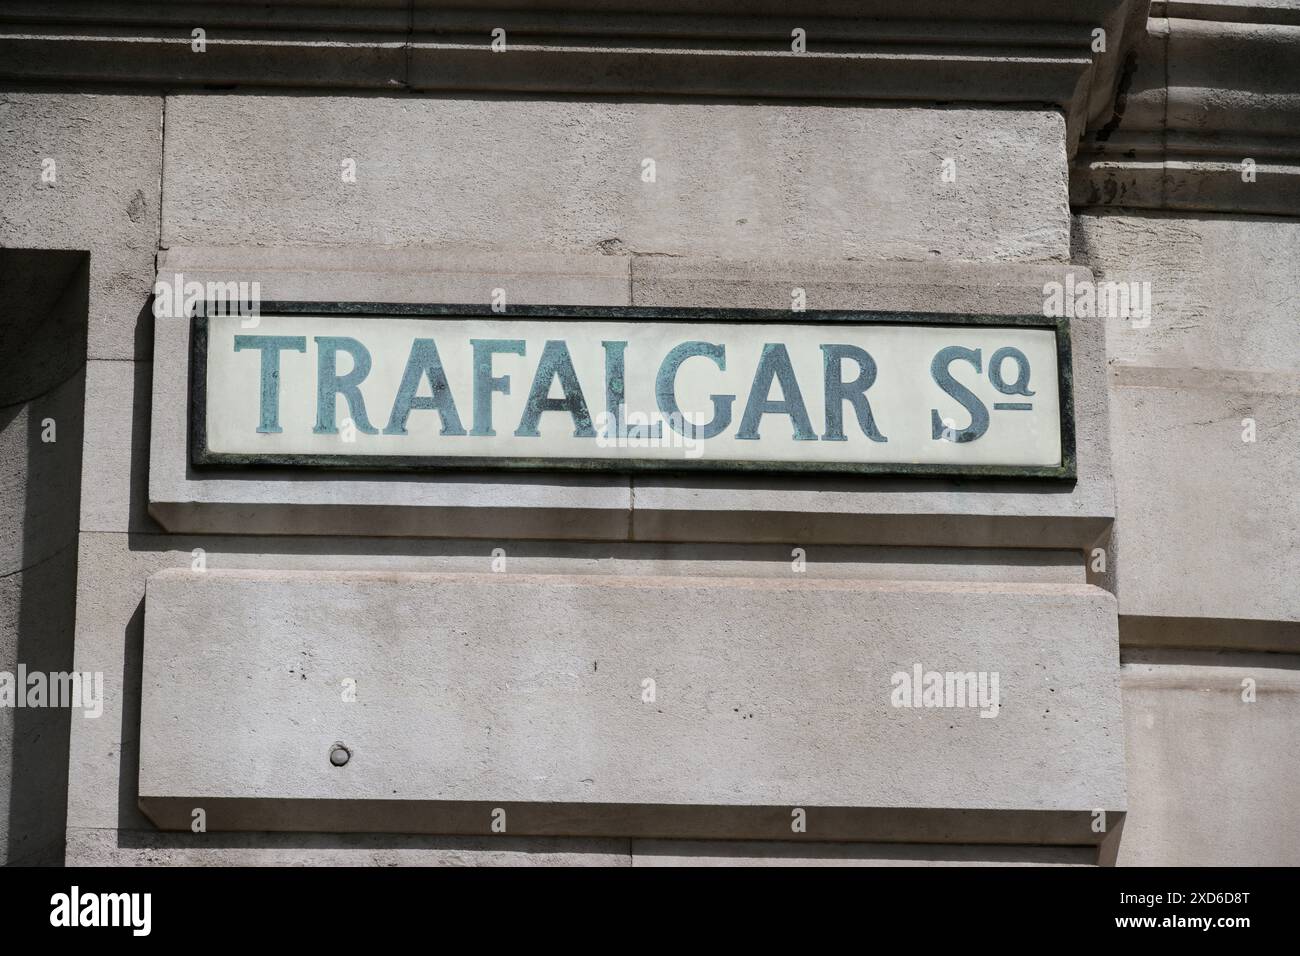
1207, 115
1006, 52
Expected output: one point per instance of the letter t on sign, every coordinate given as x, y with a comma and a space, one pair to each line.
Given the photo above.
270, 347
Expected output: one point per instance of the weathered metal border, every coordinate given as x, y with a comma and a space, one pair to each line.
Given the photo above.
200, 456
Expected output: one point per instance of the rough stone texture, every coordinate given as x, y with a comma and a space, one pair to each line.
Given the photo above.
768, 853
113, 569
103, 847
108, 847
1206, 527
749, 180
1207, 543
88, 847
409, 274
107, 152
725, 507
1209, 87
1213, 780
1223, 288
505, 701
938, 286
1209, 524
114, 483
40, 472
1013, 51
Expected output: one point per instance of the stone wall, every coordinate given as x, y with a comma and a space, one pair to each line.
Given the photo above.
193, 586
1204, 399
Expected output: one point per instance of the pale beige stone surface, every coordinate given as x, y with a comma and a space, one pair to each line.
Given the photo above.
450, 273
523, 689
557, 212
925, 51
566, 176
886, 285
112, 569
1206, 115
107, 153
1213, 779
102, 847
1209, 524
1223, 288
107, 847
114, 480
793, 853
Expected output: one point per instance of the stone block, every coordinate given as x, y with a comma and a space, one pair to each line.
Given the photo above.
112, 570
1210, 524
479, 692
107, 162
1222, 288
1213, 778
114, 483
748, 180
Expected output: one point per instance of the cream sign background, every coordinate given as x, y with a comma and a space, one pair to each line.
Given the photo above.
666, 389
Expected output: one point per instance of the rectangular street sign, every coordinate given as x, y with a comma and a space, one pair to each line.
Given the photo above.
428, 387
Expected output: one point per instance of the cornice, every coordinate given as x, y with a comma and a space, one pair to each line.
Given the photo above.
1200, 97
1023, 52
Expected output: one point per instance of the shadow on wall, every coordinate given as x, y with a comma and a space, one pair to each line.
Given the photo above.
43, 330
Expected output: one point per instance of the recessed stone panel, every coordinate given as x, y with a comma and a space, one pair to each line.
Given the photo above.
628, 706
